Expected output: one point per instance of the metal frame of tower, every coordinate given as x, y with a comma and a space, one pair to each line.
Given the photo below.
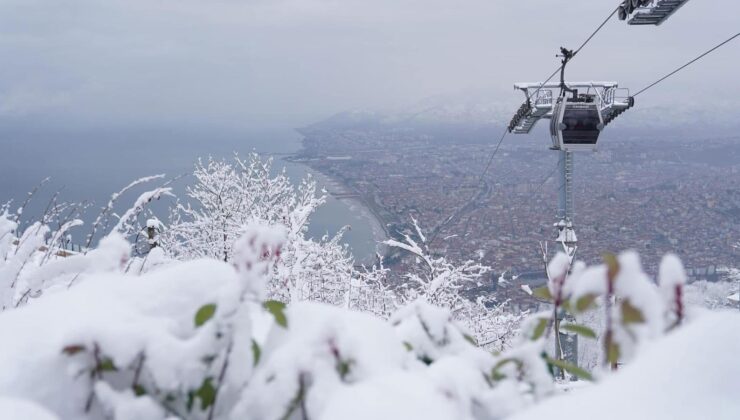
566, 210
541, 103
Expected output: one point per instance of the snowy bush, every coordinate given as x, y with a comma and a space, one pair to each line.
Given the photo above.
228, 195
711, 295
258, 322
139, 346
442, 283
615, 304
197, 340
37, 257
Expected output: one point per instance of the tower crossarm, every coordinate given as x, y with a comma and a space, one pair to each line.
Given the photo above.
656, 12
540, 99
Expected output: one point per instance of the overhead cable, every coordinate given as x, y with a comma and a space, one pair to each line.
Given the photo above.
687, 64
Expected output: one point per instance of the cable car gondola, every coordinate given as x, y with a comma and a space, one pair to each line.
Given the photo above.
576, 120
578, 114
648, 12
576, 124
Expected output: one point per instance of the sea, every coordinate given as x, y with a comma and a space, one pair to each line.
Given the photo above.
88, 165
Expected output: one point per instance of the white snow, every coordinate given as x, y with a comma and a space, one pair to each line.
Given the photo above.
123, 316
319, 339
691, 374
107, 336
401, 396
20, 409
326, 362
526, 289
671, 272
124, 221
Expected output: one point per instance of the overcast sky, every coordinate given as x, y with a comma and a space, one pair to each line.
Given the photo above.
289, 62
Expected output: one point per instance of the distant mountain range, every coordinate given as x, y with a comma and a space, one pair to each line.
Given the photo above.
483, 110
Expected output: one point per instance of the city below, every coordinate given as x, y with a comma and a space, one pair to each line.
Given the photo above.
653, 194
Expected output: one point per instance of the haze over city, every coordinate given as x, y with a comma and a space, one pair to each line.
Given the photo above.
369, 210
256, 63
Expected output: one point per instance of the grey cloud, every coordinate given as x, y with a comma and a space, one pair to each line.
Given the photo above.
292, 61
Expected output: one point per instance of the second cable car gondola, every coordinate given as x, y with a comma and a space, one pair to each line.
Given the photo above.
575, 124
576, 120
648, 12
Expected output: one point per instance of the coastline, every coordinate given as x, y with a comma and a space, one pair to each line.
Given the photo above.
343, 193
355, 202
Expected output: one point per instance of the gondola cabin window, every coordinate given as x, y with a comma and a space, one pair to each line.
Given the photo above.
581, 126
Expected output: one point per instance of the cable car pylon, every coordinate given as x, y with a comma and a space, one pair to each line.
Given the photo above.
648, 12
578, 114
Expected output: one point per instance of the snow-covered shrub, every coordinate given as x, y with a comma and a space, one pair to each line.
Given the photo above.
615, 303
142, 346
118, 337
37, 258
195, 340
712, 295
128, 223
327, 363
442, 283
692, 373
228, 195
369, 291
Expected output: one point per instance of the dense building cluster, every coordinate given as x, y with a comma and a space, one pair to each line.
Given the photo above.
651, 195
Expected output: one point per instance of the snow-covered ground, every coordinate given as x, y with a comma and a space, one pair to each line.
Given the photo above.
183, 340
234, 314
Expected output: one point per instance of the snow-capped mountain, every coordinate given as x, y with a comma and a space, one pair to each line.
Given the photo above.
489, 108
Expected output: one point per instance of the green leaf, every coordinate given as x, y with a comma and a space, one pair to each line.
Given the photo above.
579, 329
470, 339
542, 293
539, 329
550, 367
208, 359
408, 346
206, 393
204, 314
139, 390
567, 307
256, 352
73, 349
495, 374
612, 353
584, 303
426, 359
191, 399
277, 309
503, 362
106, 365
630, 314
612, 265
343, 368
568, 367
